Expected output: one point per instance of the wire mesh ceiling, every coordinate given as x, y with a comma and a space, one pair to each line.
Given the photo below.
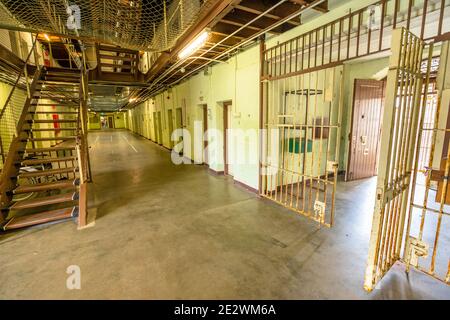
148, 25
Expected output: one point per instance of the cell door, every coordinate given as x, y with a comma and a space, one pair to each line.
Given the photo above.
111, 122
365, 133
397, 149
155, 127
205, 134
170, 122
160, 136
179, 124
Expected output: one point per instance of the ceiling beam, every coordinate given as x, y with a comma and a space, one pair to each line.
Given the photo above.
204, 20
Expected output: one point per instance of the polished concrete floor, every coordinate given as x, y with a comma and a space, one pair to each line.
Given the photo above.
177, 232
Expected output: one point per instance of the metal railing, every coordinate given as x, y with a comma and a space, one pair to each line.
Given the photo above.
13, 106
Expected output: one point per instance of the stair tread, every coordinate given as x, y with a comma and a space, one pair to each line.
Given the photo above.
53, 112
54, 121
54, 105
46, 160
66, 184
44, 201
39, 218
49, 129
51, 138
50, 149
48, 172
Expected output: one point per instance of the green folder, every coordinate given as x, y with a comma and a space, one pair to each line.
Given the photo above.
295, 143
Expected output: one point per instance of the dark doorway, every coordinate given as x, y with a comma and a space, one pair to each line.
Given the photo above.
110, 122
226, 125
368, 101
170, 122
205, 134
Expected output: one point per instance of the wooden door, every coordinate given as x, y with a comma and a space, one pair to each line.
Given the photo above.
205, 135
170, 122
155, 127
160, 139
366, 129
179, 125
226, 125
111, 122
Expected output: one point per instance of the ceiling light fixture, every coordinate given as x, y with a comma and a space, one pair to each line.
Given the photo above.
46, 37
194, 45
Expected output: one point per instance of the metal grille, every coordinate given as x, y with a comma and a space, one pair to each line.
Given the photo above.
149, 25
427, 232
301, 142
398, 142
359, 34
9, 117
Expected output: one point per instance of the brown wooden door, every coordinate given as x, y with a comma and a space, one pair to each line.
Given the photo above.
170, 123
366, 128
205, 136
111, 122
226, 124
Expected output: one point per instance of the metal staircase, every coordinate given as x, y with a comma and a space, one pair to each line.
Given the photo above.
45, 173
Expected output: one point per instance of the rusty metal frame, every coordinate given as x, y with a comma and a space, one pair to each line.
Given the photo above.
332, 42
398, 145
300, 141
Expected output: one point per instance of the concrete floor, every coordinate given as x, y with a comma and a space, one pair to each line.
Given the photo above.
176, 232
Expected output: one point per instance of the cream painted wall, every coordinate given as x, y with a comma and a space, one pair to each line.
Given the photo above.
236, 81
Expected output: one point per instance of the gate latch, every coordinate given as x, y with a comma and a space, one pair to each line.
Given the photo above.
415, 249
332, 166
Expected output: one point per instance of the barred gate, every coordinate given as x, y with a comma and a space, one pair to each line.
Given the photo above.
300, 146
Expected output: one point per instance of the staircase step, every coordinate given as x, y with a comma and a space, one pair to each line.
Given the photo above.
49, 129
32, 162
44, 173
107, 57
45, 201
110, 65
40, 218
61, 79
51, 139
54, 112
63, 73
55, 105
53, 121
60, 185
116, 49
39, 150
60, 99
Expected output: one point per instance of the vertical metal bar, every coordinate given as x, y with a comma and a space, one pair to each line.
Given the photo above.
350, 22
441, 17
383, 13
394, 24
358, 35
408, 19
340, 38
424, 17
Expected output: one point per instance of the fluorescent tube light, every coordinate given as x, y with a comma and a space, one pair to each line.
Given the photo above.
194, 45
